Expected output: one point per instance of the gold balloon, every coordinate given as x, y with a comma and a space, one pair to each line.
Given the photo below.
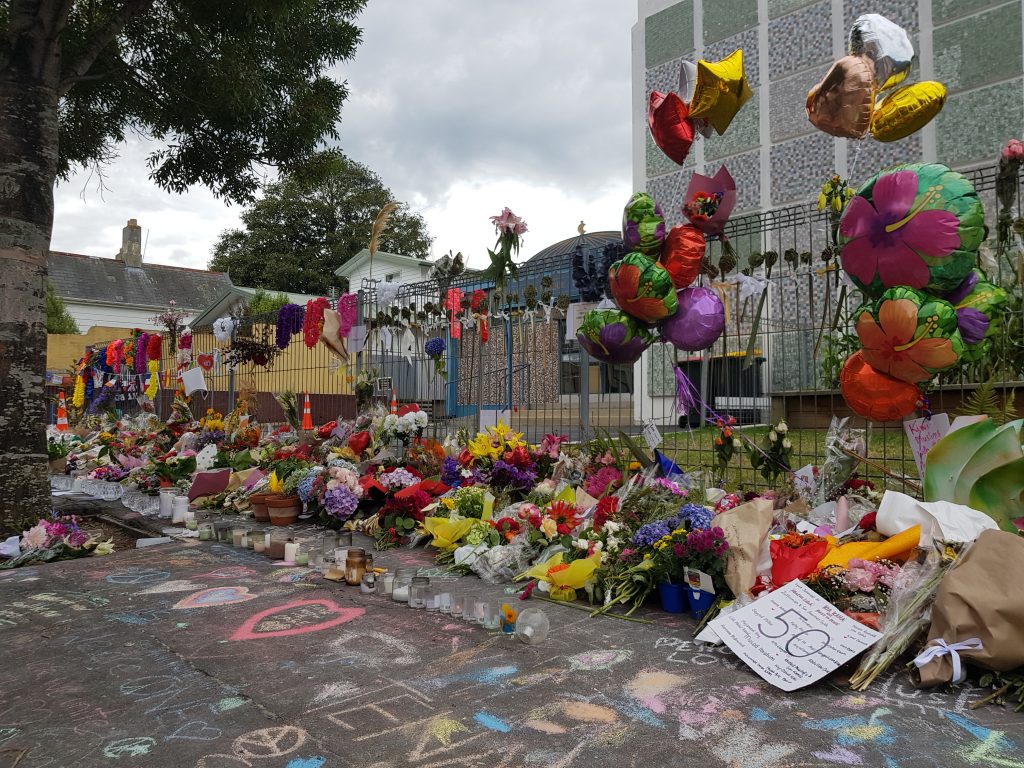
907, 110
842, 103
721, 89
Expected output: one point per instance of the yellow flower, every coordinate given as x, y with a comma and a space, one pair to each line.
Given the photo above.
448, 503
549, 527
822, 201
647, 556
837, 204
481, 447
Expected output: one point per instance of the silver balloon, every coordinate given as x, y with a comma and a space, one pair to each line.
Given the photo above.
687, 84
886, 44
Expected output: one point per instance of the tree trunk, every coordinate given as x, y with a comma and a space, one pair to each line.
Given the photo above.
28, 170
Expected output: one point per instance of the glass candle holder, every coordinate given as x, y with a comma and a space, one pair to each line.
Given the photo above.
418, 592
433, 600
275, 547
257, 536
206, 532
480, 612
444, 602
237, 533
458, 605
328, 542
344, 538
223, 530
340, 556
492, 616
403, 581
469, 610
316, 559
369, 561
386, 583
190, 520
302, 557
369, 584
355, 569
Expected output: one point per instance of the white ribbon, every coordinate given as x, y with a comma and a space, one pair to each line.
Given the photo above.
941, 648
749, 285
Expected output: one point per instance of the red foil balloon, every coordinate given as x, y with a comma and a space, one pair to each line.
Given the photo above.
876, 396
670, 127
682, 254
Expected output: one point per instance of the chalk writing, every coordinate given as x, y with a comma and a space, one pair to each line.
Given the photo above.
215, 596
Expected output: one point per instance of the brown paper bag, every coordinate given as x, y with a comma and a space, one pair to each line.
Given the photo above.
980, 598
746, 528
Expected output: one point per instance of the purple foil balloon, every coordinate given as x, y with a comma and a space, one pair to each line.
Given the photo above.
698, 322
972, 323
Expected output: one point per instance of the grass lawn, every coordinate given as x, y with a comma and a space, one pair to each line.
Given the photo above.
887, 446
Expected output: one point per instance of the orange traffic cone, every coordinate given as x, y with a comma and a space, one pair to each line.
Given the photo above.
394, 402
307, 416
62, 413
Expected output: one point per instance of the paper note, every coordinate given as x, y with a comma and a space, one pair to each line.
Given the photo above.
804, 481
652, 435
791, 637
574, 316
923, 434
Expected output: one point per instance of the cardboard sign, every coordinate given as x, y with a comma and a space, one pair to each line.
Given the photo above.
699, 580
792, 637
923, 434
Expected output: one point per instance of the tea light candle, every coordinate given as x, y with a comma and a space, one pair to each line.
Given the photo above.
291, 549
259, 543
237, 534
206, 532
302, 558
444, 602
387, 584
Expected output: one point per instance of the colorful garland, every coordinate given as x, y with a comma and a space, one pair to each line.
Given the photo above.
154, 347
78, 396
154, 379
140, 352
313, 323
290, 320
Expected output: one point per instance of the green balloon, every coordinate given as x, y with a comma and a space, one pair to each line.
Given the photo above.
918, 225
643, 225
643, 288
909, 335
612, 336
979, 308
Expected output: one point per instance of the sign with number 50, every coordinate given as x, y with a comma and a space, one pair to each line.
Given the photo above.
792, 637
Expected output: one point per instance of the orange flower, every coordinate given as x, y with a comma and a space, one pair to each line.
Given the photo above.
510, 613
556, 568
890, 345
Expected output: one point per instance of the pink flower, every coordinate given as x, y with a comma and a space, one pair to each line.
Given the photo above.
508, 223
35, 537
859, 579
888, 236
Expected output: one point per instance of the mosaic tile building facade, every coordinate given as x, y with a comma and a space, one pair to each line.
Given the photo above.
975, 47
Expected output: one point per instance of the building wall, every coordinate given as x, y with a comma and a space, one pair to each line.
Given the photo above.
110, 316
776, 156
381, 268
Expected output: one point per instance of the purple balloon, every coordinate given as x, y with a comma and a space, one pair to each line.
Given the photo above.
972, 323
698, 322
623, 347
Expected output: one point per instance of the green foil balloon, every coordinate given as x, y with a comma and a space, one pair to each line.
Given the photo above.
917, 225
909, 335
643, 225
979, 309
612, 336
642, 288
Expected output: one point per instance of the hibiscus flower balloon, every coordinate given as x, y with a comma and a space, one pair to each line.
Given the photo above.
979, 308
643, 225
909, 335
916, 225
612, 336
643, 288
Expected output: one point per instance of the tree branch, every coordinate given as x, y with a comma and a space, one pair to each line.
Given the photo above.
100, 40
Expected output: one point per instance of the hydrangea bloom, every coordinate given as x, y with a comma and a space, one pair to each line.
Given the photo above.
648, 533
451, 472
397, 479
696, 516
340, 502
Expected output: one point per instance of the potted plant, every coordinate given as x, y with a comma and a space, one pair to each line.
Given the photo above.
670, 570
283, 510
704, 551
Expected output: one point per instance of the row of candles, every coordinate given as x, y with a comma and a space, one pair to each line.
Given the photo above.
335, 556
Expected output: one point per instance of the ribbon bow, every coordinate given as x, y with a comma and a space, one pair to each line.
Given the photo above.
941, 648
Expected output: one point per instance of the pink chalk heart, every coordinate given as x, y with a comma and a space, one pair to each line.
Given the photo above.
215, 596
296, 618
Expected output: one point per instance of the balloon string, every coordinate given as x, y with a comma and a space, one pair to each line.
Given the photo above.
856, 157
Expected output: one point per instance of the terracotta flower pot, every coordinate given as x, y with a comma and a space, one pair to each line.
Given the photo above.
284, 510
259, 507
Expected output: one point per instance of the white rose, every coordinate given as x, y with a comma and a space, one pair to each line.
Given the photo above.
782, 428
421, 419
737, 443
772, 436
787, 444
581, 544
612, 527
613, 544
598, 546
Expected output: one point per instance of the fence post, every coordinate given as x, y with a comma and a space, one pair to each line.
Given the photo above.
584, 394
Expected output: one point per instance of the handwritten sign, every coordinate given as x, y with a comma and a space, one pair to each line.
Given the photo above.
804, 481
791, 637
652, 435
574, 316
923, 434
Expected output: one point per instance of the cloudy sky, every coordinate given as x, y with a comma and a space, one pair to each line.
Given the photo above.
461, 106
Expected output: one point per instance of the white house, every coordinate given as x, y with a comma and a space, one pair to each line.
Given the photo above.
386, 267
122, 292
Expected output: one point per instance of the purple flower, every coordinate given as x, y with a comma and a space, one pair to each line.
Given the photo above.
434, 347
451, 472
290, 319
648, 533
340, 502
696, 516
505, 475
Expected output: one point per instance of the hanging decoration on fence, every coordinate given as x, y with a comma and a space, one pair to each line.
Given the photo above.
879, 59
223, 329
910, 239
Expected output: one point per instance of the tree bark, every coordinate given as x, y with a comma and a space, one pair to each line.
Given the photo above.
28, 170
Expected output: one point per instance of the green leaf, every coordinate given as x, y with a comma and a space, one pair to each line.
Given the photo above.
634, 448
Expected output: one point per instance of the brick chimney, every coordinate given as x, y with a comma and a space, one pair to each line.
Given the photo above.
131, 244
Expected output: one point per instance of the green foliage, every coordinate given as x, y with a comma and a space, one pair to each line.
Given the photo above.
263, 303
224, 86
985, 401
58, 319
312, 221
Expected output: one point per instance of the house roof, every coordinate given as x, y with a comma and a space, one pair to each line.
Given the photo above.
380, 257
230, 300
109, 281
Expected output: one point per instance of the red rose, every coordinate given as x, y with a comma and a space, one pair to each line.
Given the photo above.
867, 522
359, 442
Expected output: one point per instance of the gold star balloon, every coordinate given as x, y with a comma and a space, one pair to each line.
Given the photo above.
721, 89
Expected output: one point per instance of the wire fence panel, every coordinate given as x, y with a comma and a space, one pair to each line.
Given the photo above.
507, 355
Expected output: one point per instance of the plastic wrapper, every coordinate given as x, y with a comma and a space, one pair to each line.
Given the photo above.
838, 467
500, 565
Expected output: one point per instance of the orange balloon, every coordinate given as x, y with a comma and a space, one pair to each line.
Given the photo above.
842, 104
682, 254
873, 395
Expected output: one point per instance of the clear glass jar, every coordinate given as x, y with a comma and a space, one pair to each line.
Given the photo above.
275, 547
257, 539
369, 584
386, 584
458, 605
369, 561
433, 599
206, 532
418, 591
223, 530
328, 543
403, 581
344, 539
